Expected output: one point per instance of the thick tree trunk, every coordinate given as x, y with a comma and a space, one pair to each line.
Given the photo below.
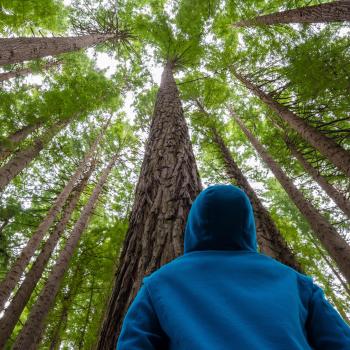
167, 185
14, 50
25, 71
336, 246
18, 303
23, 157
270, 239
31, 332
342, 202
336, 11
328, 147
17, 269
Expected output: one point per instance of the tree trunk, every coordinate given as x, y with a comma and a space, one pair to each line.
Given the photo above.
25, 71
32, 330
22, 158
14, 50
167, 185
336, 246
18, 303
342, 202
337, 11
328, 147
271, 241
17, 269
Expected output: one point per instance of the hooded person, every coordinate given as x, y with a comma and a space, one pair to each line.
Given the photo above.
223, 295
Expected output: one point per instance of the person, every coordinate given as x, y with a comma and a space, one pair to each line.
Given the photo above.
222, 294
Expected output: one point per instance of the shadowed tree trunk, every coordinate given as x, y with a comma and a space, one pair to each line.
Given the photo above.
328, 147
167, 185
31, 332
14, 50
17, 269
342, 202
18, 303
336, 11
336, 246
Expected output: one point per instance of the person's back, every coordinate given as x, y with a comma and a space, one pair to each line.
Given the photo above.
222, 294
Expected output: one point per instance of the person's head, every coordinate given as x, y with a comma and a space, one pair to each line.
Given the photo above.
221, 218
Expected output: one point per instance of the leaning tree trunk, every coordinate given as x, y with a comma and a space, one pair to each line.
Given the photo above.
342, 202
328, 147
17, 269
18, 303
337, 11
336, 246
26, 71
14, 50
167, 185
271, 241
32, 330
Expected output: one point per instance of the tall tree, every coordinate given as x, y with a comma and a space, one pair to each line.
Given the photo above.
328, 147
19, 301
336, 11
31, 332
335, 244
167, 185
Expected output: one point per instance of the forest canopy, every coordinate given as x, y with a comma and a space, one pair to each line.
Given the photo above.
115, 114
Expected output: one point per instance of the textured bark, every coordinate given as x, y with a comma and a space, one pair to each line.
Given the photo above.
24, 157
32, 330
14, 50
328, 147
342, 202
337, 11
18, 303
25, 71
17, 269
270, 239
336, 246
167, 185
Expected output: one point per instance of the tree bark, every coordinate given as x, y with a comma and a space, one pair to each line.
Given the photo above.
18, 303
336, 246
326, 146
32, 330
14, 50
17, 269
168, 183
342, 202
337, 11
270, 239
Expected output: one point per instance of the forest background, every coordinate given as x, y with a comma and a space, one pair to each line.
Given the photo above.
102, 151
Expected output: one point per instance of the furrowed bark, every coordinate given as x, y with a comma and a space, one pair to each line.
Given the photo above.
326, 146
337, 11
31, 332
14, 50
17, 269
167, 185
339, 199
18, 303
336, 246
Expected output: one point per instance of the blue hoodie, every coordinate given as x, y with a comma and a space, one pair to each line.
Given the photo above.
224, 295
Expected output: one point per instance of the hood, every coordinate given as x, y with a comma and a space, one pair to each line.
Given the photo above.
221, 218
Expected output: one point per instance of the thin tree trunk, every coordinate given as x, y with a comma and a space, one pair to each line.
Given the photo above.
17, 269
14, 50
24, 157
167, 185
342, 202
33, 328
336, 246
26, 71
18, 303
337, 11
328, 147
